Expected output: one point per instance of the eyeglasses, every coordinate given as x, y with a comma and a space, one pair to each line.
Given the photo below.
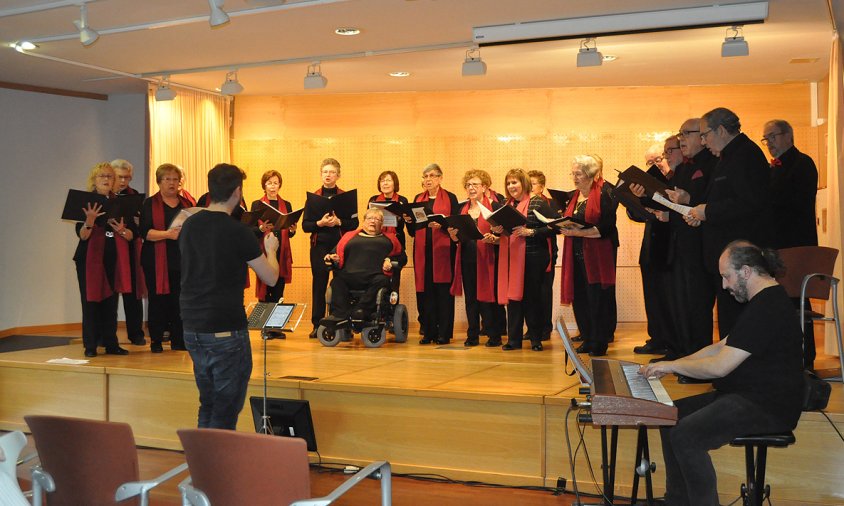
105, 176
656, 160
686, 133
668, 151
704, 134
431, 176
771, 137
473, 185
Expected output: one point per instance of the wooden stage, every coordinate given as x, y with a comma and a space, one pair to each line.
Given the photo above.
468, 414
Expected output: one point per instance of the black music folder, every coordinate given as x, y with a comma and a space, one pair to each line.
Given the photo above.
636, 175
505, 216
561, 197
343, 205
122, 206
417, 211
561, 221
633, 203
279, 219
467, 229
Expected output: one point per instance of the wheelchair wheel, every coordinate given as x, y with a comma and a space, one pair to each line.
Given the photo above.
373, 337
400, 323
327, 337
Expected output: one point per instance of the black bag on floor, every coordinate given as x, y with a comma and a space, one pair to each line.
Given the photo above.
815, 392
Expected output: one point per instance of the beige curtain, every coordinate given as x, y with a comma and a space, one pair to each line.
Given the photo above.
835, 131
192, 132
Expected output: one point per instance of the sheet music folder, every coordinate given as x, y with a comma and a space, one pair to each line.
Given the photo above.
122, 206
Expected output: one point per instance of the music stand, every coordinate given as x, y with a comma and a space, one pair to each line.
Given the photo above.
279, 323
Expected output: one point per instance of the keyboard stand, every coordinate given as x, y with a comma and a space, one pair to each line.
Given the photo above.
644, 467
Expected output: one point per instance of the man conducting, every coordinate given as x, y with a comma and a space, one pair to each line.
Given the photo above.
363, 258
216, 251
757, 374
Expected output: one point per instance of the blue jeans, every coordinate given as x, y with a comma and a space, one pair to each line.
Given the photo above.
706, 422
222, 364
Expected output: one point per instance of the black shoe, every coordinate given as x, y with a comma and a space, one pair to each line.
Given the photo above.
546, 336
177, 347
138, 341
425, 340
156, 347
443, 341
471, 342
536, 347
421, 330
510, 347
668, 356
598, 351
493, 342
117, 351
90, 353
312, 335
650, 348
577, 339
584, 348
687, 380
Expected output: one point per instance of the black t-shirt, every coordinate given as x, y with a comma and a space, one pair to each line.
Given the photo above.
215, 250
772, 376
364, 255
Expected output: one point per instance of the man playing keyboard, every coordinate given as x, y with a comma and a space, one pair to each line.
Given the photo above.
756, 372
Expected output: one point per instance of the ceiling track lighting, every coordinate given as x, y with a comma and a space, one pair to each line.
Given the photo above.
164, 93
218, 16
231, 86
314, 79
589, 56
473, 65
87, 35
734, 43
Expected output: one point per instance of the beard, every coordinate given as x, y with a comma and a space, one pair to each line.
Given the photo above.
740, 291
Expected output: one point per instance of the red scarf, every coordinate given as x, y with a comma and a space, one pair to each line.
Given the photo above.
511, 261
97, 287
441, 246
183, 194
394, 198
348, 236
137, 244
485, 262
285, 256
598, 254
319, 192
162, 274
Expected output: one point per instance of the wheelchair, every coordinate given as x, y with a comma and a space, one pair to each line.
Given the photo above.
389, 315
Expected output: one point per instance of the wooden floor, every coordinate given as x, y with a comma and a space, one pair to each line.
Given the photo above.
476, 414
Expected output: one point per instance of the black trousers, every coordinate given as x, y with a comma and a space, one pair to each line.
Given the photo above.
342, 285
594, 308
99, 319
548, 301
530, 310
476, 310
438, 308
319, 283
274, 293
164, 310
693, 299
133, 307
657, 289
729, 308
809, 351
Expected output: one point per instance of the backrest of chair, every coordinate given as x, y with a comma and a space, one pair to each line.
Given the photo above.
801, 261
88, 459
236, 468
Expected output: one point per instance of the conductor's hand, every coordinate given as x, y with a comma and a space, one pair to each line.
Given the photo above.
678, 195
331, 258
637, 190
388, 265
270, 243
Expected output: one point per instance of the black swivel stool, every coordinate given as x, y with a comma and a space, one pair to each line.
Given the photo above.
754, 490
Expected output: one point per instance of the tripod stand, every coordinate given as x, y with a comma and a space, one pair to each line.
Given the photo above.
266, 425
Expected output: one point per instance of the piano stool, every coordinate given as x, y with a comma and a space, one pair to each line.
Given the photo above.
754, 490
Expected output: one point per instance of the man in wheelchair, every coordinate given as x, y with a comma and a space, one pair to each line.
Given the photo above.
362, 263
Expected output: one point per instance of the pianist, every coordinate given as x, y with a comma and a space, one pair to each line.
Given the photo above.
756, 373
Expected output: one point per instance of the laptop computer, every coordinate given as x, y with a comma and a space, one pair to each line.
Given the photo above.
582, 369
270, 316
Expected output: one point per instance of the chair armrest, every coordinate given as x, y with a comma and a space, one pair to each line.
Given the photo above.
192, 496
378, 470
142, 488
41, 482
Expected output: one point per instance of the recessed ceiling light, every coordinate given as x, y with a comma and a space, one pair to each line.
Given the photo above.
610, 57
400, 74
347, 30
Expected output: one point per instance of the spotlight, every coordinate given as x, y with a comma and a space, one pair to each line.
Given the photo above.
218, 15
22, 46
473, 65
589, 56
164, 93
87, 35
734, 45
231, 86
315, 80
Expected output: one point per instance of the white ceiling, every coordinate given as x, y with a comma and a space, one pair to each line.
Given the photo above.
303, 30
